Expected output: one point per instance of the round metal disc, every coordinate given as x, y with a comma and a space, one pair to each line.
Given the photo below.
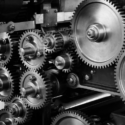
102, 12
120, 76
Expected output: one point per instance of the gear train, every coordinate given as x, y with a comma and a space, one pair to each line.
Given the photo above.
62, 62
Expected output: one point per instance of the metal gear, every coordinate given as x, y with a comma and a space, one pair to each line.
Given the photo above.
53, 42
119, 76
65, 61
98, 30
31, 49
20, 112
70, 117
6, 48
6, 117
36, 89
6, 84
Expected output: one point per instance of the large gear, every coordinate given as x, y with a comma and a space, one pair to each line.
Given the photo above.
53, 42
70, 117
119, 76
6, 117
6, 48
98, 30
36, 89
31, 49
20, 112
6, 84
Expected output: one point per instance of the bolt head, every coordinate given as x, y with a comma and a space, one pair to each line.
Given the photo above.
87, 77
38, 96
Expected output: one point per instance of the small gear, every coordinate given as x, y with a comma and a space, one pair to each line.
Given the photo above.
53, 42
6, 117
36, 89
6, 48
31, 49
65, 62
6, 84
119, 76
99, 41
20, 112
70, 117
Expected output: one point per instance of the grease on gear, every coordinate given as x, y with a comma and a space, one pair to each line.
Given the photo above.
6, 85
31, 49
20, 112
119, 76
70, 117
99, 41
36, 89
6, 48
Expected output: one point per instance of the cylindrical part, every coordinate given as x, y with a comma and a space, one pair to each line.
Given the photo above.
62, 62
49, 42
8, 121
28, 91
85, 100
4, 82
29, 51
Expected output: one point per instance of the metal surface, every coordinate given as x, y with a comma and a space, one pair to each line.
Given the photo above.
31, 50
6, 48
98, 30
19, 110
86, 100
53, 42
120, 76
6, 85
70, 117
65, 62
5, 116
40, 84
17, 26
61, 17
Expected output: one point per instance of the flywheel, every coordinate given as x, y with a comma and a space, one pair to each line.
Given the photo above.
98, 30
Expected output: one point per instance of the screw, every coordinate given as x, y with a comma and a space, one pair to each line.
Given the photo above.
11, 27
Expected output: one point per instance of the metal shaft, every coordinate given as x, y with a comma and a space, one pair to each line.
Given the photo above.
85, 100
